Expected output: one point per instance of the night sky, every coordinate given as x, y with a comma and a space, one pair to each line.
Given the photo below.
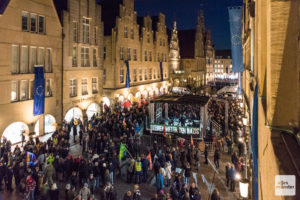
185, 13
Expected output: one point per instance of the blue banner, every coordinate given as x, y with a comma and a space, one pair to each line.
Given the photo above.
254, 142
161, 72
127, 84
235, 21
39, 91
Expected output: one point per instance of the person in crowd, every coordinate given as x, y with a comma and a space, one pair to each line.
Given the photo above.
127, 195
187, 173
215, 195
53, 192
30, 187
138, 171
85, 192
217, 158
159, 181
168, 171
136, 193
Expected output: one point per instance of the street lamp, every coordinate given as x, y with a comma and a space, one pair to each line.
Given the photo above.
244, 185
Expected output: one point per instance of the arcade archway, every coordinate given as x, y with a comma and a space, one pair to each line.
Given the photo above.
49, 125
93, 109
13, 132
73, 113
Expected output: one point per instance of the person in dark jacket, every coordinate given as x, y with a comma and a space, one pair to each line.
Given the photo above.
217, 158
145, 167
206, 155
54, 193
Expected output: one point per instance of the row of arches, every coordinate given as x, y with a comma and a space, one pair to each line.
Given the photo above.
13, 132
146, 94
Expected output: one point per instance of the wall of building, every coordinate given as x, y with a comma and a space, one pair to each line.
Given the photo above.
276, 71
12, 34
74, 69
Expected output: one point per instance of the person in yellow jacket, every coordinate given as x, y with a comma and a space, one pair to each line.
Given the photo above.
138, 171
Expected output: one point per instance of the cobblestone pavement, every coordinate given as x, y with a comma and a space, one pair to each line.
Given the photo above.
207, 179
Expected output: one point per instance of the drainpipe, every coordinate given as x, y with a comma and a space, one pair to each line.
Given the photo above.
62, 75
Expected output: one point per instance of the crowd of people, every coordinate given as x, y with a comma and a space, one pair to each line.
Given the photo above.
40, 168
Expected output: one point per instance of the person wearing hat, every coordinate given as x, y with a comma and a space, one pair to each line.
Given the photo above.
71, 194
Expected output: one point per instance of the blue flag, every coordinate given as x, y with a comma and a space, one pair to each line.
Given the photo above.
161, 72
254, 142
39, 91
127, 84
235, 21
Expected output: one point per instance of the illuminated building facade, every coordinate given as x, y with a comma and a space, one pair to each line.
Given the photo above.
223, 65
143, 42
30, 34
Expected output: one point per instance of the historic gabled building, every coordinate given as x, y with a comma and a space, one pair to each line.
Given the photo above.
223, 65
194, 64
82, 57
30, 34
143, 42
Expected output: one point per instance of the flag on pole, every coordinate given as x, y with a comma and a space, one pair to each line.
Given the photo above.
192, 141
30, 158
150, 161
164, 131
127, 84
39, 91
122, 151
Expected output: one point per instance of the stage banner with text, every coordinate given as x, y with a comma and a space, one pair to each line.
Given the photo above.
235, 22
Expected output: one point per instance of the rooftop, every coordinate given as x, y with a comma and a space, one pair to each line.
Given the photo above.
223, 54
181, 99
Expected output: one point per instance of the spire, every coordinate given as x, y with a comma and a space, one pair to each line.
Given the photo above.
174, 39
199, 43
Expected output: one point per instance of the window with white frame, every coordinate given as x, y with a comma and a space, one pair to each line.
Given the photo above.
95, 35
134, 55
24, 59
121, 75
84, 86
73, 88
41, 24
31, 90
32, 59
74, 56
134, 75
24, 90
145, 56
48, 63
86, 30
15, 58
14, 91
125, 32
95, 85
121, 53
24, 21
41, 59
131, 34
75, 31
128, 54
33, 22
48, 90
94, 57
140, 74
150, 74
145, 77
85, 56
